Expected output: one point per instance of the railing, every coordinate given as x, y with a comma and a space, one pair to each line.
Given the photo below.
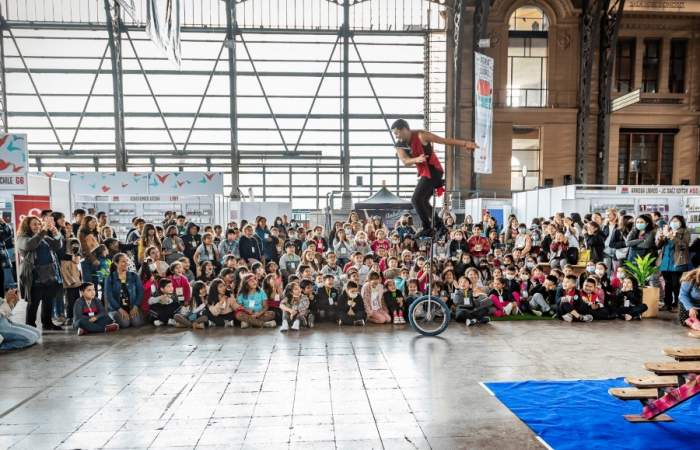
317, 15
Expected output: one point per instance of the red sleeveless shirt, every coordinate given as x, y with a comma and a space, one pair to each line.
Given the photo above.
431, 158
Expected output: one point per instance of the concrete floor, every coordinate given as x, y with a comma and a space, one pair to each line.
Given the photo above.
368, 388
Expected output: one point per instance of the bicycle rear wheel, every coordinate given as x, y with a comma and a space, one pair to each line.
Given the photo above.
429, 315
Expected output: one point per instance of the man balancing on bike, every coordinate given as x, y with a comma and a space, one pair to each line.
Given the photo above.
415, 148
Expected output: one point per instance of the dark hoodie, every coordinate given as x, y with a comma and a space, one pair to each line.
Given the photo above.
191, 241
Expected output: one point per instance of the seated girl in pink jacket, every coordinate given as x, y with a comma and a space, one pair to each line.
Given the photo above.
506, 302
373, 299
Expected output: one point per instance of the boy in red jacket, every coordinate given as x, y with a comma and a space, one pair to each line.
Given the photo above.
570, 302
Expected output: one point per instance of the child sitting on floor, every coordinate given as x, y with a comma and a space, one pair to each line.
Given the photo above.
628, 302
373, 298
570, 301
295, 307
505, 301
395, 302
89, 314
164, 306
351, 309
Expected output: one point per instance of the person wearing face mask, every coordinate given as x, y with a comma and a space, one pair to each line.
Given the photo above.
641, 240
523, 240
590, 270
361, 244
674, 242
293, 238
618, 278
404, 227
351, 308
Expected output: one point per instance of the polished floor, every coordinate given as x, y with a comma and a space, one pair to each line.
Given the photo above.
327, 388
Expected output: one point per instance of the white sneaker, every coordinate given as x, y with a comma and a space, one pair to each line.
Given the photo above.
470, 322
508, 309
228, 324
285, 326
244, 325
587, 318
402, 321
568, 318
537, 312
296, 325
270, 324
396, 320
211, 324
172, 322
158, 323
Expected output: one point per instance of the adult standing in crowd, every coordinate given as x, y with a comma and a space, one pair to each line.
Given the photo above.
674, 242
39, 271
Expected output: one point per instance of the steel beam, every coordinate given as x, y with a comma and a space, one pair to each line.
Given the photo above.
609, 28
231, 33
318, 89
203, 97
3, 85
345, 151
87, 100
589, 26
150, 89
456, 88
114, 31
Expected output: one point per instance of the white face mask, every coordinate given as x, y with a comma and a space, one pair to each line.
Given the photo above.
510, 277
600, 272
621, 275
675, 225
152, 267
353, 295
524, 277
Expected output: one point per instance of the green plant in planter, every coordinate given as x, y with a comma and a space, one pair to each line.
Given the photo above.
642, 269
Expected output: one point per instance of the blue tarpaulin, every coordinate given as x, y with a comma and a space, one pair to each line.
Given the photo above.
581, 414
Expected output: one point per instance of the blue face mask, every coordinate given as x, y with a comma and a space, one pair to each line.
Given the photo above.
641, 226
675, 225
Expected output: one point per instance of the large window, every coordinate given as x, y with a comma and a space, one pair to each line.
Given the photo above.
646, 157
624, 65
676, 71
527, 58
650, 67
525, 158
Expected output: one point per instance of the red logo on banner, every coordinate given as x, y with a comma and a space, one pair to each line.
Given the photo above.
29, 205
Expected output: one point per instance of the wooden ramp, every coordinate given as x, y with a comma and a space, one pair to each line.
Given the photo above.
672, 384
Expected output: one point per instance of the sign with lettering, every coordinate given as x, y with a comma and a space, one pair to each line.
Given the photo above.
681, 6
13, 163
28, 205
657, 190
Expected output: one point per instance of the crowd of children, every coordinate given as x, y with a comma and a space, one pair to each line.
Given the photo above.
287, 276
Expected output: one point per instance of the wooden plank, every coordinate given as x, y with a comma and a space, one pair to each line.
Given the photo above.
636, 418
634, 393
652, 381
677, 368
683, 353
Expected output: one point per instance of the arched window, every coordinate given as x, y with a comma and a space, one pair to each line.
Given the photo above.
527, 58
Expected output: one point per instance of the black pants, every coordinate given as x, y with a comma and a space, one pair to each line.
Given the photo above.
163, 312
672, 288
45, 295
463, 313
421, 201
72, 294
220, 319
347, 319
326, 313
632, 310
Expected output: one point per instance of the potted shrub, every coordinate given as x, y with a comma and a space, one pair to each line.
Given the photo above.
642, 270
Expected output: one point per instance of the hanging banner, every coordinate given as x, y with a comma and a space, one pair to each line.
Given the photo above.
483, 113
163, 27
185, 183
108, 183
28, 205
13, 163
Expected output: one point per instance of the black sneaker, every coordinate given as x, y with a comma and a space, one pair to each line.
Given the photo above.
484, 320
